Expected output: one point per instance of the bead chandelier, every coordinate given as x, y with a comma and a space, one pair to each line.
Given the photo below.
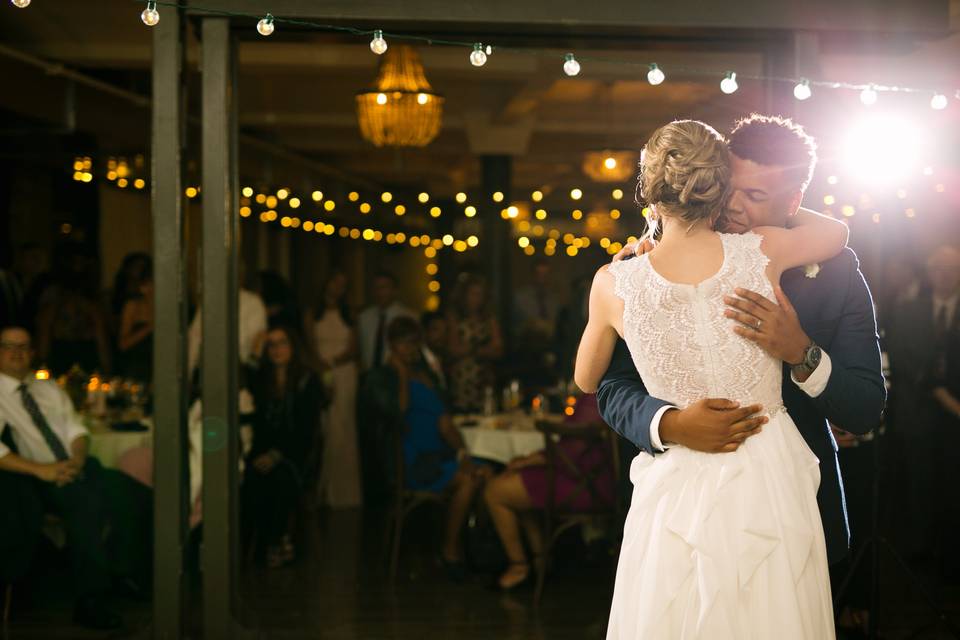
401, 108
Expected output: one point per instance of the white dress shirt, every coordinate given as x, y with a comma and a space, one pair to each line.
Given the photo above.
812, 386
367, 332
56, 407
252, 323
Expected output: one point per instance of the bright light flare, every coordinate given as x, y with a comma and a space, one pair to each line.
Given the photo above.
884, 148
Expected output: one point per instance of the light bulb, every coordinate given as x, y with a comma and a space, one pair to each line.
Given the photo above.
655, 76
150, 15
478, 57
23, 4
939, 101
378, 45
610, 163
868, 96
570, 65
729, 84
265, 26
802, 90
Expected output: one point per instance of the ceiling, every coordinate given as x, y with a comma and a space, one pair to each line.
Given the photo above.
297, 93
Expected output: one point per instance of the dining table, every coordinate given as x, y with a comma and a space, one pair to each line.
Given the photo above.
501, 437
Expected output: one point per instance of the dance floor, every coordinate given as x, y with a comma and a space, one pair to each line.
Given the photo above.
338, 590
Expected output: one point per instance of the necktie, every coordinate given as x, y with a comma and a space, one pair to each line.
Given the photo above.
37, 416
378, 345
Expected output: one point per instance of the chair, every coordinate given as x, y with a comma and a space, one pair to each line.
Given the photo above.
559, 516
405, 502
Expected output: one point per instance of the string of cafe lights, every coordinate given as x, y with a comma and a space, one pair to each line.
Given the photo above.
531, 232
479, 52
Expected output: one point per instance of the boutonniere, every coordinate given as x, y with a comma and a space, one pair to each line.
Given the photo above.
811, 270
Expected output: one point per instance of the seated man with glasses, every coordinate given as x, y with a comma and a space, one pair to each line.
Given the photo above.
51, 452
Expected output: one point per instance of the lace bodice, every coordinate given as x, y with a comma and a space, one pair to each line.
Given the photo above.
683, 346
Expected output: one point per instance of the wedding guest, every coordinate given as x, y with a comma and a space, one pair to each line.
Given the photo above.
536, 309
335, 347
475, 344
514, 496
436, 337
288, 399
374, 320
918, 340
278, 298
134, 269
135, 339
51, 447
571, 319
251, 330
404, 400
71, 327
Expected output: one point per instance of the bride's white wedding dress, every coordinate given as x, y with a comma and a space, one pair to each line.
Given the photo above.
716, 546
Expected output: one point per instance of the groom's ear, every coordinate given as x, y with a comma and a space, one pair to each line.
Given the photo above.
794, 204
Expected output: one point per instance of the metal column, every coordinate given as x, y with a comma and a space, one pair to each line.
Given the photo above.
171, 481
219, 306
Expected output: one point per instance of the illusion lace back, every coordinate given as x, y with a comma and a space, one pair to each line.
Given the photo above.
679, 338
716, 545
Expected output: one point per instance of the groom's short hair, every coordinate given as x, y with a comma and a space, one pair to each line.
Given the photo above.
776, 141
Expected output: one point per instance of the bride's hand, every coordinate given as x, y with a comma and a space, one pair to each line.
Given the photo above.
632, 249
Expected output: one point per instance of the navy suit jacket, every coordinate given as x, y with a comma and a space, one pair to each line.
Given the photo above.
836, 311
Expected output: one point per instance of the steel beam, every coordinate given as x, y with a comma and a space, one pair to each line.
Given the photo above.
170, 442
219, 363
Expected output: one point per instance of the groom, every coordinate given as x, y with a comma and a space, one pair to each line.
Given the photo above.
827, 338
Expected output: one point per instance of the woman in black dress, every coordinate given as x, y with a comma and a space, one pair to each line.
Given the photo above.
288, 398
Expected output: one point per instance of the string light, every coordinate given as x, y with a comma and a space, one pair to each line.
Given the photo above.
265, 26
939, 101
868, 96
20, 4
461, 197
802, 90
423, 197
150, 15
576, 194
570, 65
536, 196
617, 194
378, 45
655, 76
478, 57
729, 84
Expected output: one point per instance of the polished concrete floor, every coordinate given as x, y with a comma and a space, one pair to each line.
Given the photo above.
338, 590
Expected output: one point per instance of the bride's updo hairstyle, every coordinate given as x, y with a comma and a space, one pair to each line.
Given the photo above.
685, 171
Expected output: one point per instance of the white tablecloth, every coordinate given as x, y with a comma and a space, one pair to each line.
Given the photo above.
108, 446
500, 437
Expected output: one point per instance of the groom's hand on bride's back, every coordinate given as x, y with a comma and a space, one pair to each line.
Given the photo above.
714, 425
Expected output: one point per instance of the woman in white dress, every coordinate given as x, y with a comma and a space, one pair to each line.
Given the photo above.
335, 344
716, 545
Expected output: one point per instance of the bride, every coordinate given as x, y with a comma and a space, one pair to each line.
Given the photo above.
715, 546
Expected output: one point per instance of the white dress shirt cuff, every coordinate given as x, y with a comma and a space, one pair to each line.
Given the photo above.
4, 450
655, 441
817, 382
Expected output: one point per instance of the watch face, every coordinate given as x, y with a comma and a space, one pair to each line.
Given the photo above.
813, 357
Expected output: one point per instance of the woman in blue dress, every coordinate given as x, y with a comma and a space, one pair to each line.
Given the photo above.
404, 397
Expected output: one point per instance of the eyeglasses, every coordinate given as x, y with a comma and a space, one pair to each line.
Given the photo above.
15, 346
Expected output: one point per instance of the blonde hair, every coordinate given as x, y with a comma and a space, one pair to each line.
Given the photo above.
685, 172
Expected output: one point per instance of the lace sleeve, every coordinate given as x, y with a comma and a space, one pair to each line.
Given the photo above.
624, 280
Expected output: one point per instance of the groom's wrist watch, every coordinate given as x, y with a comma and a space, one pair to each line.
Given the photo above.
810, 362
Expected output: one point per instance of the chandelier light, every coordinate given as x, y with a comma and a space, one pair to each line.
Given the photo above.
400, 109
609, 165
